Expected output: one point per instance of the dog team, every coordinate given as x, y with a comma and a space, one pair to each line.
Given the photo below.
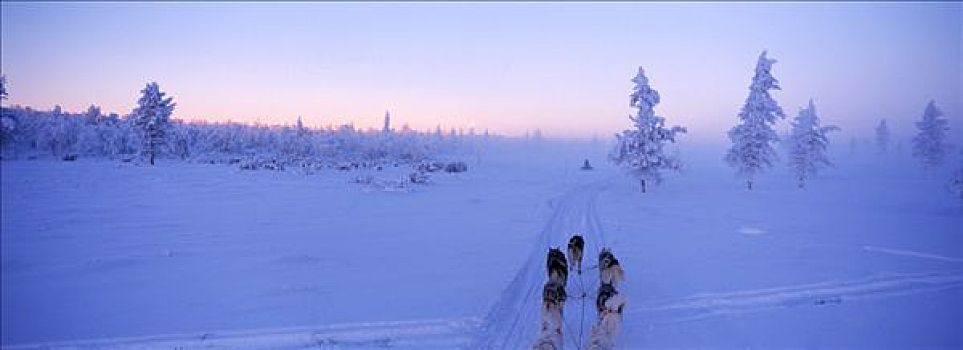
608, 301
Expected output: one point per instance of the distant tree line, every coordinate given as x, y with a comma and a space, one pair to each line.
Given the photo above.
150, 132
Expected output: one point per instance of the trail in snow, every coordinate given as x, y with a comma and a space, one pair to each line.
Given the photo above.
512, 323
420, 334
702, 306
910, 253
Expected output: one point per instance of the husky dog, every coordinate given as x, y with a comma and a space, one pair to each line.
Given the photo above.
576, 246
553, 300
550, 330
610, 321
550, 326
553, 294
557, 266
606, 292
606, 258
610, 272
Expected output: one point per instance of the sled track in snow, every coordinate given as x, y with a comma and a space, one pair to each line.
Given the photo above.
701, 306
512, 322
418, 334
911, 253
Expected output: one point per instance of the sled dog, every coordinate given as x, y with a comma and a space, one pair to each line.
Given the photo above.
610, 272
606, 292
605, 332
557, 266
553, 294
550, 323
576, 247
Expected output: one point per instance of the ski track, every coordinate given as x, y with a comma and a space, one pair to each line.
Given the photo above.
911, 253
419, 334
512, 323
701, 306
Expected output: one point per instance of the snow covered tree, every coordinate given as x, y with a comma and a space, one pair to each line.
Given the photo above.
152, 118
751, 150
299, 127
3, 87
92, 134
181, 137
7, 122
807, 144
882, 137
300, 144
60, 133
387, 127
641, 150
929, 145
93, 115
66, 135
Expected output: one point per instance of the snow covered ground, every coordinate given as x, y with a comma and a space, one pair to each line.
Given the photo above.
100, 254
865, 257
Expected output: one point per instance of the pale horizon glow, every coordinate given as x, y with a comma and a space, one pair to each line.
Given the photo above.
563, 68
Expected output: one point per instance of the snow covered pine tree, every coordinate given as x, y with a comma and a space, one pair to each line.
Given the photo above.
641, 150
7, 122
807, 145
93, 115
3, 87
751, 150
929, 145
882, 137
299, 127
387, 127
152, 118
300, 144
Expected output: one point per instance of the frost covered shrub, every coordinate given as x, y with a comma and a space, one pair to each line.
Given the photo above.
418, 177
456, 167
430, 167
262, 164
8, 124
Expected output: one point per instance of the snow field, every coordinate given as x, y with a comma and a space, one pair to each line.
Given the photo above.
101, 254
